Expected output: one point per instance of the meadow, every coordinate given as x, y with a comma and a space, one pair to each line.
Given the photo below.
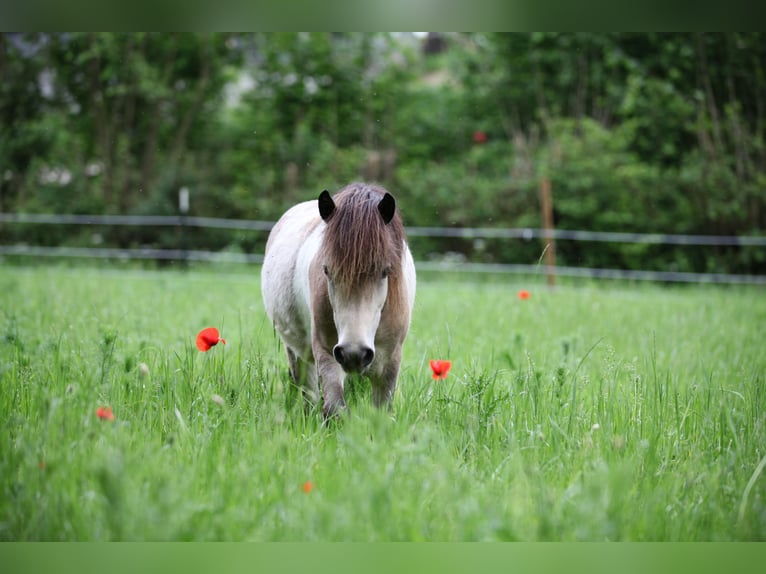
593, 412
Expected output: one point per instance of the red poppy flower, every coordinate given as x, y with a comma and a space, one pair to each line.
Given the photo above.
440, 368
209, 337
479, 137
105, 413
308, 486
524, 294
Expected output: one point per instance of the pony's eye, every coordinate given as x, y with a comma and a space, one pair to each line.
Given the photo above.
386, 272
325, 271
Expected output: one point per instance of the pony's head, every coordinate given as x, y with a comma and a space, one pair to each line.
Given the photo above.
361, 255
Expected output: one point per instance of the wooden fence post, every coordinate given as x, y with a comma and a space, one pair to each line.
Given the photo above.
183, 211
549, 253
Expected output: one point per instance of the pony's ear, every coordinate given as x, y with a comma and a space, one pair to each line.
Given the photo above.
326, 205
387, 208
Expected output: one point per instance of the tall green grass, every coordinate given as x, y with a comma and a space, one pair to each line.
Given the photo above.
584, 413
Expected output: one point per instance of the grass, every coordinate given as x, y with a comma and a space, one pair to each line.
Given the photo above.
584, 413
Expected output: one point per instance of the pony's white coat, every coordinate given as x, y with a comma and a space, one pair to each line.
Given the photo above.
290, 293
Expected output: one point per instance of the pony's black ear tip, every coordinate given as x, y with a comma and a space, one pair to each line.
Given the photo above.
387, 207
326, 205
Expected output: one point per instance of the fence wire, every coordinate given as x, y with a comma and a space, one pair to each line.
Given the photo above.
459, 232
452, 232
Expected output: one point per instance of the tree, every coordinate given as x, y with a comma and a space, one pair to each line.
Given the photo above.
138, 103
23, 136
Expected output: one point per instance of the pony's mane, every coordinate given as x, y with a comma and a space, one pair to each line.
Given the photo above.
358, 244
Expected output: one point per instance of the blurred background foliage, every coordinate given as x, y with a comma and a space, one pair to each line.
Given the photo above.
659, 133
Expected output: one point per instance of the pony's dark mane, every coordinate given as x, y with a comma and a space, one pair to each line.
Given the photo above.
358, 244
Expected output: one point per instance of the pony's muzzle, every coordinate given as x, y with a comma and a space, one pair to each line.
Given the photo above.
353, 358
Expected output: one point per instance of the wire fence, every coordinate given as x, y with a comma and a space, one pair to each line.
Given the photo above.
459, 232
447, 232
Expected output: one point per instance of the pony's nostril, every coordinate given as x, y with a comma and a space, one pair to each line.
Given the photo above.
367, 356
339, 355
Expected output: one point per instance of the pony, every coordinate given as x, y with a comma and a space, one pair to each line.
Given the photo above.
338, 284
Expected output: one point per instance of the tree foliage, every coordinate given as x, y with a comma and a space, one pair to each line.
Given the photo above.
637, 132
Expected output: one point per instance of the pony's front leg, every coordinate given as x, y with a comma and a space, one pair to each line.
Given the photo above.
384, 381
331, 378
304, 376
